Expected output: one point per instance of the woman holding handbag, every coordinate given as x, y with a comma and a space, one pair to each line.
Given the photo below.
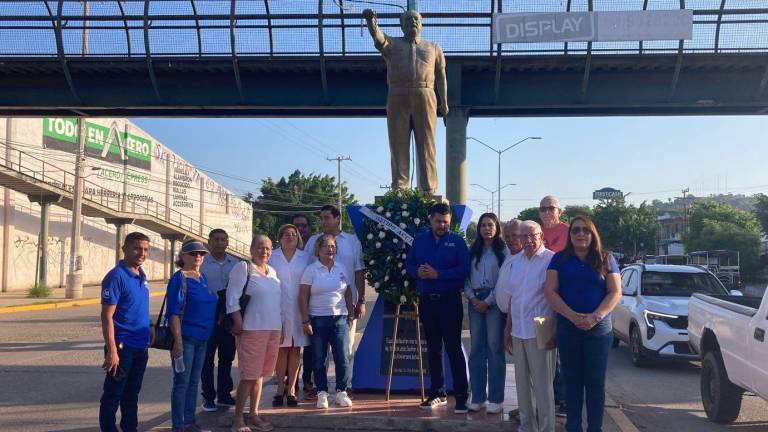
257, 329
583, 287
191, 311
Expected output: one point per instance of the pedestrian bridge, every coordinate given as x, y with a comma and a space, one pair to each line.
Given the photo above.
47, 183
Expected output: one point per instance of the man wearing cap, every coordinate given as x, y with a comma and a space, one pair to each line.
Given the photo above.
216, 267
127, 335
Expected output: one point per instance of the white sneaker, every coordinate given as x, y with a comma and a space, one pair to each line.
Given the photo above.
475, 407
343, 400
322, 399
493, 408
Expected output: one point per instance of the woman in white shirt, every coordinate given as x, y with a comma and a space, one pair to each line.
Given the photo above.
289, 261
258, 333
327, 312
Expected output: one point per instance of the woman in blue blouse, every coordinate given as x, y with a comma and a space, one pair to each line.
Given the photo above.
583, 287
486, 322
190, 318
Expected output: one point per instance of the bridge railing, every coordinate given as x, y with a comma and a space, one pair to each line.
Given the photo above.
41, 169
242, 28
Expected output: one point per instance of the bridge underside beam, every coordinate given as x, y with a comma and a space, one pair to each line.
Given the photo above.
528, 86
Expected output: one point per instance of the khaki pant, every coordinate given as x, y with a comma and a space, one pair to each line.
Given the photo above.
412, 109
534, 372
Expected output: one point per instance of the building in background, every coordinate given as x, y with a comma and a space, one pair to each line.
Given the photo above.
672, 227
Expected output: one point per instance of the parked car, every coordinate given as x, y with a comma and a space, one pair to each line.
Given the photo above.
652, 316
728, 332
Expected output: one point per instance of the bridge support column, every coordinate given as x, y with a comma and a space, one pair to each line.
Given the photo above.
45, 201
119, 224
456, 155
6, 264
172, 238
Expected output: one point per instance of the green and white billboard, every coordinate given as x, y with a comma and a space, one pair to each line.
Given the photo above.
110, 144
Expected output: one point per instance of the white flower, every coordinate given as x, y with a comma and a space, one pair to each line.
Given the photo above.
399, 265
380, 226
389, 258
394, 240
416, 221
405, 283
403, 226
379, 209
371, 262
378, 245
404, 206
404, 256
369, 236
382, 234
376, 285
387, 215
402, 272
402, 299
405, 213
386, 278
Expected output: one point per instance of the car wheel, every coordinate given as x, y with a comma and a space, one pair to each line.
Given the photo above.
639, 357
616, 341
720, 397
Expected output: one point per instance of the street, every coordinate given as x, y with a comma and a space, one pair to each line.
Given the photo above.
666, 397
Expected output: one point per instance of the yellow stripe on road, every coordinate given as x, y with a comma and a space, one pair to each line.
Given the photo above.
61, 304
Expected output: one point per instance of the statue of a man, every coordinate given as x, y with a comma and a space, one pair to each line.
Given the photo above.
414, 67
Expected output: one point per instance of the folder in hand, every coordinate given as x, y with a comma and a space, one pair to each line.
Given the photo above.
546, 327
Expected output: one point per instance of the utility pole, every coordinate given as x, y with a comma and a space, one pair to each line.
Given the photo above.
75, 276
685, 209
339, 160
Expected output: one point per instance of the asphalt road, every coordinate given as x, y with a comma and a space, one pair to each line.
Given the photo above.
666, 397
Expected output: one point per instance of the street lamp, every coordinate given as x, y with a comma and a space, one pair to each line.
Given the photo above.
485, 189
483, 203
497, 191
500, 152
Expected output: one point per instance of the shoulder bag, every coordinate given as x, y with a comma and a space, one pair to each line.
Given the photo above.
225, 321
163, 336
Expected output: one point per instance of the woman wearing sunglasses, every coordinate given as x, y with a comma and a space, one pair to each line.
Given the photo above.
583, 287
191, 311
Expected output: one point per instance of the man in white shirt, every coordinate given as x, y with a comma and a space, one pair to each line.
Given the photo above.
349, 252
534, 367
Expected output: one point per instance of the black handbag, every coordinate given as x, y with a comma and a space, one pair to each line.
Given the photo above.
163, 336
224, 320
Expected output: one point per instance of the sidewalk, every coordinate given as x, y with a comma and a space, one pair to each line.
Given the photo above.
17, 301
371, 412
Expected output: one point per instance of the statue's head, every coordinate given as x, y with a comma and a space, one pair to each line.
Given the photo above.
410, 22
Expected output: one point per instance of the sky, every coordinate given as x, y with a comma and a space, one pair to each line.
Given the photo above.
648, 157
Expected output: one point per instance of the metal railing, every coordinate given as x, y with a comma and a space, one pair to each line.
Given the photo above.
255, 28
35, 169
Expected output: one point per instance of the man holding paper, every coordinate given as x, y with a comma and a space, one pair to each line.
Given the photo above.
534, 364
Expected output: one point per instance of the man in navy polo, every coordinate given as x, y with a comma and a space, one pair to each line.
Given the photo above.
127, 335
439, 259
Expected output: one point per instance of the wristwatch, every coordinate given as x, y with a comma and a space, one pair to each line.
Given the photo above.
360, 301
598, 316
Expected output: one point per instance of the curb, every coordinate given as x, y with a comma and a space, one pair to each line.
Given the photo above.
614, 410
60, 305
377, 423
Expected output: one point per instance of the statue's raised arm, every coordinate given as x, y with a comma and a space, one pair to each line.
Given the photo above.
373, 28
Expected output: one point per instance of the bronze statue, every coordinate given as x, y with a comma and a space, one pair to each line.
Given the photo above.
414, 67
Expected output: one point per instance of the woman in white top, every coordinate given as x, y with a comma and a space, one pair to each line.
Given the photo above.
289, 262
327, 312
258, 333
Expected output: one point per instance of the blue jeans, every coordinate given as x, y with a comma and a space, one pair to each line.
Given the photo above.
331, 330
184, 391
487, 365
584, 358
124, 392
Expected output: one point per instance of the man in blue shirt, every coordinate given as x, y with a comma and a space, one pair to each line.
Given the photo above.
216, 268
127, 335
439, 259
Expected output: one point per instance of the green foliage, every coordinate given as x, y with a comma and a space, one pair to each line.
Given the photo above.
299, 193
39, 291
626, 228
571, 211
531, 213
471, 232
761, 210
714, 226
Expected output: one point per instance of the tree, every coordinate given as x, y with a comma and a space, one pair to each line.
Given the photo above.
575, 210
761, 210
713, 226
471, 232
531, 213
626, 228
299, 193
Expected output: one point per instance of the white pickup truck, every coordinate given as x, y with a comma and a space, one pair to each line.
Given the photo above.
728, 332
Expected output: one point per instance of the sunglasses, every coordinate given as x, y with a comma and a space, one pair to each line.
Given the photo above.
583, 230
547, 209
197, 253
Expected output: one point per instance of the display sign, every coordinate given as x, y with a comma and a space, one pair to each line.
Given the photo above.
607, 194
611, 26
406, 349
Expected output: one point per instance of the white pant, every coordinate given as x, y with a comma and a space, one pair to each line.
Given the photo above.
534, 373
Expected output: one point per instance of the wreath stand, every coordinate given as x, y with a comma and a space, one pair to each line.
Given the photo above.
405, 315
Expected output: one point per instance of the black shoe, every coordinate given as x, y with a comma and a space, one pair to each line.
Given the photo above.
433, 402
226, 401
461, 407
562, 411
278, 400
291, 401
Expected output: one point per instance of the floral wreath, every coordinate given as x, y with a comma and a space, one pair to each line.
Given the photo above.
384, 252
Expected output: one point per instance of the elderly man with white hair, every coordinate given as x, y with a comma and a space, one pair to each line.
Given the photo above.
534, 367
